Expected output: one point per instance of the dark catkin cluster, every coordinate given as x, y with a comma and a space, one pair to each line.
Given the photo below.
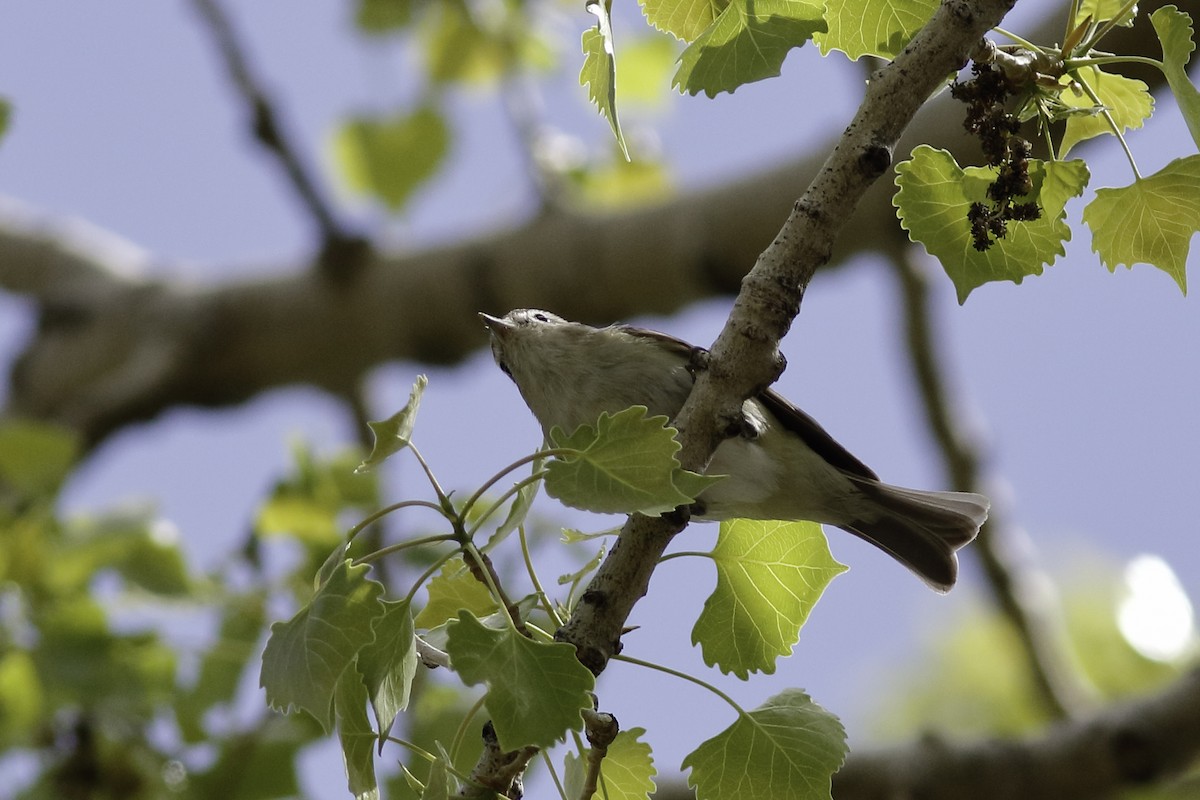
988, 119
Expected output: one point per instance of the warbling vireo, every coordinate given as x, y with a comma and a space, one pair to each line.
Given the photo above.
783, 466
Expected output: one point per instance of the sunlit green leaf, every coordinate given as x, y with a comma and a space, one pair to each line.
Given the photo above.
1151, 221
356, 736
935, 195
786, 749
451, 590
306, 655
389, 158
383, 16
1127, 100
646, 63
626, 463
621, 184
388, 664
1174, 29
865, 28
746, 43
769, 577
1104, 10
21, 697
535, 689
626, 773
683, 19
395, 433
599, 72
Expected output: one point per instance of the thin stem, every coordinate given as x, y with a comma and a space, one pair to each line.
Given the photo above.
444, 498
375, 515
485, 571
428, 573
562, 792
514, 489
682, 553
382, 552
676, 673
492, 481
461, 734
1112, 123
1097, 61
533, 577
1028, 45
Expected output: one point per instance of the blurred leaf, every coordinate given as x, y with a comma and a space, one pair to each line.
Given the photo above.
645, 65
1174, 29
21, 699
434, 716
625, 464
383, 16
395, 433
389, 158
535, 689
35, 457
307, 504
221, 670
258, 765
789, 747
769, 577
600, 69
139, 546
748, 42
863, 28
617, 183
935, 195
1151, 221
388, 664
5, 116
626, 773
451, 590
356, 736
1127, 100
306, 655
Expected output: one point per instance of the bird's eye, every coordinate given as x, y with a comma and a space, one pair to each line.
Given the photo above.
541, 317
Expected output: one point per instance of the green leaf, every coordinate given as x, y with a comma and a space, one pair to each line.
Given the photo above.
935, 195
625, 464
863, 28
264, 763
599, 72
748, 42
518, 510
383, 16
22, 699
1128, 101
786, 749
389, 158
626, 773
683, 19
619, 184
643, 69
388, 664
535, 689
306, 655
307, 504
1104, 10
356, 735
5, 116
1151, 221
223, 665
441, 784
452, 590
769, 577
1174, 29
395, 433
36, 457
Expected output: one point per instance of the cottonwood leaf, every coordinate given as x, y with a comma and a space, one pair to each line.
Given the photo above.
395, 433
389, 158
626, 773
1174, 29
452, 590
1151, 221
625, 464
441, 784
306, 655
1127, 100
388, 664
935, 195
356, 736
786, 749
599, 72
683, 19
747, 42
769, 577
1104, 10
535, 690
867, 28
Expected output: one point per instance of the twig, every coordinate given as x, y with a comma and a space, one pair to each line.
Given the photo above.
602, 729
340, 247
1022, 590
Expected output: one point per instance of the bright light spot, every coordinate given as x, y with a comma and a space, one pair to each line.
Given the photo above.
164, 533
1155, 615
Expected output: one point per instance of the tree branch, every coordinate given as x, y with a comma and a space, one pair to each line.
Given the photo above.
340, 248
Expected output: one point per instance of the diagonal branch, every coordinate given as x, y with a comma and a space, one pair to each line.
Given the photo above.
339, 246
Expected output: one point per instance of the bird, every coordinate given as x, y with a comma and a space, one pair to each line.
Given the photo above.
781, 465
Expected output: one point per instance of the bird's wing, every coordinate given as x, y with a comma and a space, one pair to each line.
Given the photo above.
813, 435
789, 416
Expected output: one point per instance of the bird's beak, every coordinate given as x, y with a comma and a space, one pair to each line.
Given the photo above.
496, 325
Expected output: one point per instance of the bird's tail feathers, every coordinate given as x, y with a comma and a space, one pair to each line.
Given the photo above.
920, 529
